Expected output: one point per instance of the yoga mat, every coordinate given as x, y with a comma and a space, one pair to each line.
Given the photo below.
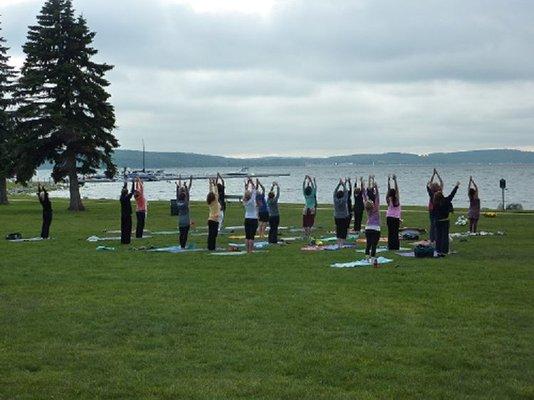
382, 249
410, 229
382, 240
242, 227
118, 231
331, 247
411, 254
333, 238
470, 234
36, 239
106, 239
289, 239
229, 253
361, 263
174, 250
105, 248
257, 245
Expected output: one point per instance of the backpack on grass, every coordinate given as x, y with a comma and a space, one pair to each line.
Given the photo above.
422, 251
14, 236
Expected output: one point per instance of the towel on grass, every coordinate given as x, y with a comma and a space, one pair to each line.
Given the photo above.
174, 250
257, 245
333, 238
111, 238
382, 249
361, 263
35, 239
105, 248
331, 247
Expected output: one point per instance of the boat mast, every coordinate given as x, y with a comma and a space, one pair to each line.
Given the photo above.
143, 140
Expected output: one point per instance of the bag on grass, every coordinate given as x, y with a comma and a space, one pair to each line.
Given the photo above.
14, 236
422, 251
409, 235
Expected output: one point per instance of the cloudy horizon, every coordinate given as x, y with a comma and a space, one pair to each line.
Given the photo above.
309, 77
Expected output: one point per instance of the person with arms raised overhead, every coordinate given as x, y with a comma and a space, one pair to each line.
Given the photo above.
372, 228
221, 188
263, 210
348, 184
126, 213
442, 206
214, 210
432, 188
274, 213
473, 214
140, 207
359, 205
393, 214
251, 214
341, 211
46, 204
309, 189
184, 220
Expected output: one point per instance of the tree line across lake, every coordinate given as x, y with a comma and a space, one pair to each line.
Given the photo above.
56, 109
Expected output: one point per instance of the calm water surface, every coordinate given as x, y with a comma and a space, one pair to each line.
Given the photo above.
412, 180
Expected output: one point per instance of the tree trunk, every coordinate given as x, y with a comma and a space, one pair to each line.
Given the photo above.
74, 187
3, 191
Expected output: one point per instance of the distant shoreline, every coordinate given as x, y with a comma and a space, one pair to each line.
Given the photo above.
158, 160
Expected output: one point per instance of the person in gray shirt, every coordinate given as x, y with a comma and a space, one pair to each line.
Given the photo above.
341, 211
184, 221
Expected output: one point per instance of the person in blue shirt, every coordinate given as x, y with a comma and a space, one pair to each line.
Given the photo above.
263, 210
309, 189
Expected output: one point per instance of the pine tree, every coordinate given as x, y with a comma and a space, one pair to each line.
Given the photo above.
7, 161
64, 114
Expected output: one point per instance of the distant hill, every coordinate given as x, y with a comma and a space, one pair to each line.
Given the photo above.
133, 159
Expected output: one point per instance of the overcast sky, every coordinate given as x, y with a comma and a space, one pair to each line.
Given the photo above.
311, 77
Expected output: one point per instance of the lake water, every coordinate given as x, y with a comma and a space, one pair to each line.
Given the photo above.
412, 180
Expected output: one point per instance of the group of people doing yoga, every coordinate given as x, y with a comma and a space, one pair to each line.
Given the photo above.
261, 210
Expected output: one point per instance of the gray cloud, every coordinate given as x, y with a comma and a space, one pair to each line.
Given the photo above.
314, 77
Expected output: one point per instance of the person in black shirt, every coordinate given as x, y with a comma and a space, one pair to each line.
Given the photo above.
221, 186
44, 199
126, 213
358, 205
348, 183
442, 207
432, 188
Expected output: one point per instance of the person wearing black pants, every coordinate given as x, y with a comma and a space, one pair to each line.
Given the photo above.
44, 199
393, 214
274, 213
393, 233
358, 206
372, 237
372, 228
348, 182
213, 230
432, 188
126, 213
214, 215
140, 208
182, 202
443, 207
442, 237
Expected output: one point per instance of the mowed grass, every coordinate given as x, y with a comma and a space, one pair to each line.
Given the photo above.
80, 324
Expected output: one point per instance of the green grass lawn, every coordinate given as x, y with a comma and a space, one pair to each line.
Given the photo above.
80, 324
